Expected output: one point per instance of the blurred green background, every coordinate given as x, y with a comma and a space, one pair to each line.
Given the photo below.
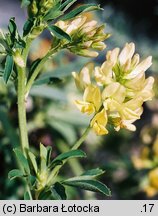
128, 158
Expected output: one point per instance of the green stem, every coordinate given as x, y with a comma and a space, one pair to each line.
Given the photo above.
22, 110
39, 67
82, 139
27, 49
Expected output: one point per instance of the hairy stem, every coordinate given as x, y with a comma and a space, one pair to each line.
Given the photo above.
22, 110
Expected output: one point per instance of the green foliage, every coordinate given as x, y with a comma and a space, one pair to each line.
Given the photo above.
70, 154
81, 9
90, 185
58, 191
53, 13
8, 68
15, 174
27, 196
22, 161
25, 3
28, 26
40, 171
59, 33
33, 161
67, 4
93, 173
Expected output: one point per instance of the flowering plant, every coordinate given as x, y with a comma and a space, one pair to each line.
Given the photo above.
112, 93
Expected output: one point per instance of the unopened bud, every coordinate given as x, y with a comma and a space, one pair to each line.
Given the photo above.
98, 46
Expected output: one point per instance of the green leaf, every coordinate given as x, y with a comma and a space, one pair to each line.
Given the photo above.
81, 9
27, 196
88, 175
67, 4
54, 164
32, 180
12, 27
93, 172
43, 156
8, 68
20, 44
48, 80
33, 66
53, 13
25, 3
59, 33
49, 154
22, 161
33, 161
14, 35
45, 194
15, 173
90, 185
70, 154
28, 26
58, 191
3, 40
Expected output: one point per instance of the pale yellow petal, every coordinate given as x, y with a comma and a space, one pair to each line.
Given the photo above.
92, 95
143, 66
99, 123
85, 107
116, 91
126, 53
112, 55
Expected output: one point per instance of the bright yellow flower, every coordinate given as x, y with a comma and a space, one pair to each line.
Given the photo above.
153, 178
91, 100
152, 188
99, 122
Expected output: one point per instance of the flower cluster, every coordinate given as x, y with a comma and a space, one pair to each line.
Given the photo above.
87, 37
120, 88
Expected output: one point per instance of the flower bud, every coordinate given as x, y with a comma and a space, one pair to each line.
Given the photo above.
87, 37
33, 9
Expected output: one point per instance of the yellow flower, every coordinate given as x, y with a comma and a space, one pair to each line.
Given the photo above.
152, 188
99, 122
124, 67
83, 78
119, 86
114, 91
104, 74
124, 114
91, 100
153, 178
